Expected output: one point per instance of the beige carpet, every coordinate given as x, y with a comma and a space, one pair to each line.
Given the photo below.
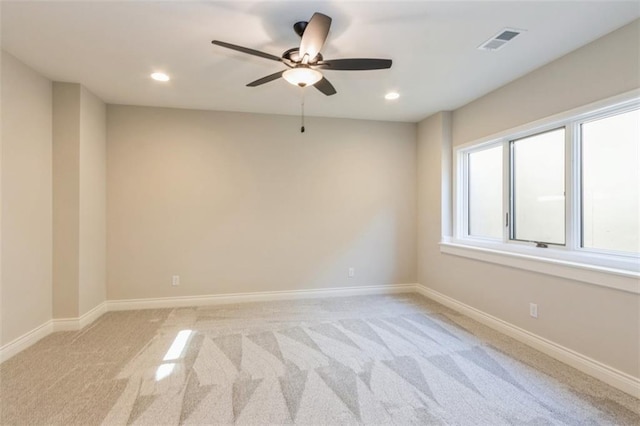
359, 360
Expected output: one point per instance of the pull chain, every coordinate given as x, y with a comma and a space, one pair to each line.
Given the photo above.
302, 110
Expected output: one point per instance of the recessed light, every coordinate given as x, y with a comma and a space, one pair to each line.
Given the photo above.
160, 76
391, 96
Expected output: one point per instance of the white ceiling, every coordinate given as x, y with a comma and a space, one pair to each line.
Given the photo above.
111, 47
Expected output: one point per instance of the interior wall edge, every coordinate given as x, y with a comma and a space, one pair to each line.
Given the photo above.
21, 343
66, 190
92, 202
73, 324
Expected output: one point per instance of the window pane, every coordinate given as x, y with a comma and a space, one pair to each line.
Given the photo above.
485, 193
611, 183
538, 188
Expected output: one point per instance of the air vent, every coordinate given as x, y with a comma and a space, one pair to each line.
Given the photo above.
499, 40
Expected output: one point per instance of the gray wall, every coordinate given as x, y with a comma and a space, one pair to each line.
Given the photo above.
599, 322
238, 203
26, 199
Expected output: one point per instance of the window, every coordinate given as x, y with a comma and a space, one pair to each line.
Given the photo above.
537, 187
611, 183
485, 193
566, 189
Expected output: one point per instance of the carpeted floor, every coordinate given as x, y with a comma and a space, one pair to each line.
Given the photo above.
357, 360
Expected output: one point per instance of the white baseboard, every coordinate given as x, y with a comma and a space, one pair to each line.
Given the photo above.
607, 374
26, 340
51, 326
73, 324
616, 378
262, 296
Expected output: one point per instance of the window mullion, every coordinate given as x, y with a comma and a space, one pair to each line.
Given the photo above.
572, 209
465, 195
506, 190
461, 186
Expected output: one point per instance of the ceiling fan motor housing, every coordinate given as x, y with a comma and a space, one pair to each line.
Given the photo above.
293, 55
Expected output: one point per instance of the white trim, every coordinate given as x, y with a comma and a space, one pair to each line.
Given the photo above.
616, 378
93, 314
73, 324
587, 273
57, 324
586, 265
23, 342
262, 296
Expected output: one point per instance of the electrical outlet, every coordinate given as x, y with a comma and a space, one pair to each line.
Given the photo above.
533, 310
352, 272
175, 280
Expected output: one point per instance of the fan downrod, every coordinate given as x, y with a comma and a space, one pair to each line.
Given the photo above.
299, 27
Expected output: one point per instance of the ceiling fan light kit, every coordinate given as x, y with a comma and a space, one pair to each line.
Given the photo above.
302, 76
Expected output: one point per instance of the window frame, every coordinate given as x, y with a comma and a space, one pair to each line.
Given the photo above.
610, 112
511, 191
571, 254
465, 189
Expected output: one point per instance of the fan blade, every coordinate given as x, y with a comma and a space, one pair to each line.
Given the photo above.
355, 64
314, 35
325, 87
247, 50
266, 79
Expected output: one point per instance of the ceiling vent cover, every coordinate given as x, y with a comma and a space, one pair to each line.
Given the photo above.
499, 40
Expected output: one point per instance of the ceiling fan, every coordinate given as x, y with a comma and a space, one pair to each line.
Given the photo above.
304, 62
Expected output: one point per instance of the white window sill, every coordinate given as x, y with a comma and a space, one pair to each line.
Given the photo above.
527, 259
